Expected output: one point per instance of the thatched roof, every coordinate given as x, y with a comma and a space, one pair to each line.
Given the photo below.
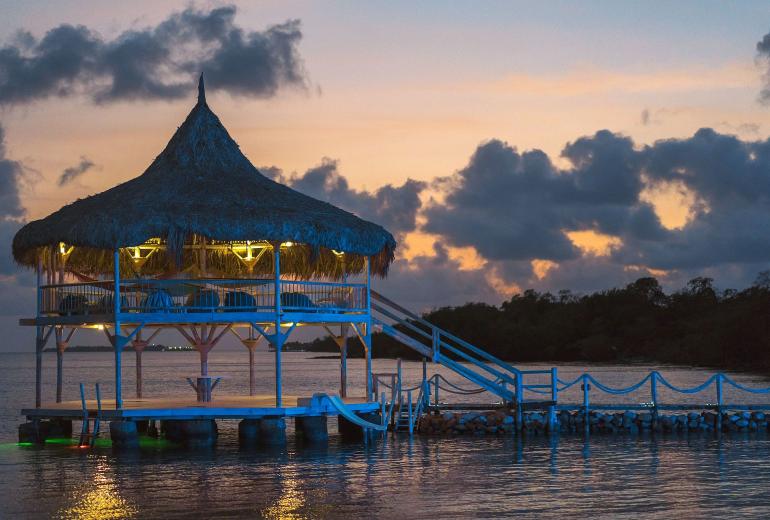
201, 187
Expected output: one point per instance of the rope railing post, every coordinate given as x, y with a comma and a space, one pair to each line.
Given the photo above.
435, 389
720, 400
519, 401
409, 399
398, 377
654, 397
586, 403
554, 399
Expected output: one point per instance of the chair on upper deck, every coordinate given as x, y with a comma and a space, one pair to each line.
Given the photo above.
239, 301
298, 301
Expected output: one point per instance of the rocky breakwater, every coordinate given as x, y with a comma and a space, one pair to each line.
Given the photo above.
502, 422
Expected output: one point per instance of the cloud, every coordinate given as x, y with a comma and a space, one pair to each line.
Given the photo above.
73, 172
16, 284
519, 206
11, 173
427, 282
393, 207
515, 208
763, 54
153, 63
645, 117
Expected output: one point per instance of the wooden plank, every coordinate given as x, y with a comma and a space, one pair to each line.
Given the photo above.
225, 407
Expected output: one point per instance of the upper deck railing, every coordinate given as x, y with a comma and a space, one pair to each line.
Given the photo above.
202, 295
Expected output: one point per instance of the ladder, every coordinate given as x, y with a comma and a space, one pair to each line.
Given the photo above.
87, 435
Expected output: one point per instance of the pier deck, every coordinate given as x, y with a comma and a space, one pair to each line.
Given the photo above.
223, 407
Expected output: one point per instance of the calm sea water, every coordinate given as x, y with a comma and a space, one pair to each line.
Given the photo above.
681, 476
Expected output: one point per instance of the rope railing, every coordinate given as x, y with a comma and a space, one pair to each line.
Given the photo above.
429, 389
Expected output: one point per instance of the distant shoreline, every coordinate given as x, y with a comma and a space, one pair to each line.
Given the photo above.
128, 348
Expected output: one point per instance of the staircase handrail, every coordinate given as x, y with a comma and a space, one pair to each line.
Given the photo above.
442, 332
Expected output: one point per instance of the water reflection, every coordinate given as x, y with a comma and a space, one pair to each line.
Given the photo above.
99, 498
401, 477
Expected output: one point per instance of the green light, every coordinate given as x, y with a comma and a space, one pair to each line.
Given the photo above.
156, 443
65, 441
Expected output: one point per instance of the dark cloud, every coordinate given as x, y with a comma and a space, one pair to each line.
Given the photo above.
393, 207
428, 282
73, 172
519, 206
10, 176
763, 53
515, 207
153, 63
645, 117
16, 284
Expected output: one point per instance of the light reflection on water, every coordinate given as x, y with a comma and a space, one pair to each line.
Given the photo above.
611, 476
604, 476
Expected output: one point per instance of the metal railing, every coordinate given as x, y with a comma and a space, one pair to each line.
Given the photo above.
202, 295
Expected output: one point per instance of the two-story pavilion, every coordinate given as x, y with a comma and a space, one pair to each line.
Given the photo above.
204, 244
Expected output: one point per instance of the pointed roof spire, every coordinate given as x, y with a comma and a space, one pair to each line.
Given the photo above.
201, 91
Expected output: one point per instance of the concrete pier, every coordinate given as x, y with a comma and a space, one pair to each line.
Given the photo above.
37, 431
124, 434
33, 431
197, 433
248, 432
312, 429
272, 431
350, 432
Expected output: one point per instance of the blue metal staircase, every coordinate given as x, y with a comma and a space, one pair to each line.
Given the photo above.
483, 369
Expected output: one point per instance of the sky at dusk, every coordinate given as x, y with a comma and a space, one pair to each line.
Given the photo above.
507, 145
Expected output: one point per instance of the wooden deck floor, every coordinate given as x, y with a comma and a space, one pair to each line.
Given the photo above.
222, 407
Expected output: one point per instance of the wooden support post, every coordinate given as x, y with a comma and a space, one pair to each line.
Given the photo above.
139, 347
250, 342
39, 344
119, 342
251, 345
343, 344
61, 346
368, 344
368, 331
277, 341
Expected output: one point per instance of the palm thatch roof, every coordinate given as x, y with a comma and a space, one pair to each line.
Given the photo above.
202, 190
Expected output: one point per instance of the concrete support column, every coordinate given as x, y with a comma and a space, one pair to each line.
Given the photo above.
124, 434
197, 433
272, 431
248, 432
311, 429
351, 432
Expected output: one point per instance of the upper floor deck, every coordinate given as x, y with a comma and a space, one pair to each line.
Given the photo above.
201, 300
